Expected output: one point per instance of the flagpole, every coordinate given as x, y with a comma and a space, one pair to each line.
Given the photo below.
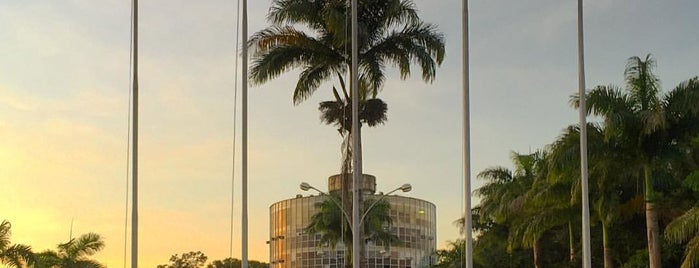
244, 85
468, 241
583, 143
134, 143
356, 168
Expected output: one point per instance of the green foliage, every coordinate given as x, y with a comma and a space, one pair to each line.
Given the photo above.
13, 255
235, 263
332, 226
72, 254
391, 33
646, 151
190, 259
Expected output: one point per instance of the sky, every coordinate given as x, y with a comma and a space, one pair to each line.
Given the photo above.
64, 107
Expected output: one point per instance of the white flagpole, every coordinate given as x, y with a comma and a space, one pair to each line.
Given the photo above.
587, 259
134, 143
468, 241
244, 85
356, 169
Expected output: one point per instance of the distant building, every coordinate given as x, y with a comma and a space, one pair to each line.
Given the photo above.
414, 222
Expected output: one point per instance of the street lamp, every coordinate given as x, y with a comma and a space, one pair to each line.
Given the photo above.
405, 188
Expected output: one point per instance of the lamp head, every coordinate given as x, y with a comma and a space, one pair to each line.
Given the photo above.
305, 186
406, 187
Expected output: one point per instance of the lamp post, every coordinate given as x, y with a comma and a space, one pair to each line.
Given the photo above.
405, 188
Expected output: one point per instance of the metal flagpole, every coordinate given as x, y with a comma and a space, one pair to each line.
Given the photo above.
134, 143
583, 142
468, 242
244, 85
356, 169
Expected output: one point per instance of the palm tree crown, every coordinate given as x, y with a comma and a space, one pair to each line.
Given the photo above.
73, 254
390, 33
12, 255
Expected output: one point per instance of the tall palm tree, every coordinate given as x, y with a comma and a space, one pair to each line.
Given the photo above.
72, 254
647, 125
611, 196
333, 227
13, 255
391, 33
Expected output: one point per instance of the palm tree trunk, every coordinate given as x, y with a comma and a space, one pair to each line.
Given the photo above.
652, 228
571, 243
536, 251
605, 243
346, 196
362, 246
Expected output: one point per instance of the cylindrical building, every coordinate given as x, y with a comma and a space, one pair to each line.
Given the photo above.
413, 222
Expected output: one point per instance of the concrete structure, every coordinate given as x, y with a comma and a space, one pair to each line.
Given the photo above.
414, 222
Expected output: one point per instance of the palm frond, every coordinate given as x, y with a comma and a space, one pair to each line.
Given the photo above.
88, 244
5, 234
88, 264
691, 254
682, 100
496, 174
684, 227
296, 11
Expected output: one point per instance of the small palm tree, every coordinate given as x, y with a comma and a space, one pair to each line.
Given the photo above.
15, 255
72, 254
505, 199
329, 222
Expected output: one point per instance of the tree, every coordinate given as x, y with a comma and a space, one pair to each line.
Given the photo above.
647, 125
72, 254
235, 263
13, 255
187, 260
685, 228
390, 32
612, 198
334, 228
504, 200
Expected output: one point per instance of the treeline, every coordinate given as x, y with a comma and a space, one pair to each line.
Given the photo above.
643, 163
197, 259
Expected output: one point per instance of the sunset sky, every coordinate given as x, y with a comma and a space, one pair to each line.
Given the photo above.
64, 94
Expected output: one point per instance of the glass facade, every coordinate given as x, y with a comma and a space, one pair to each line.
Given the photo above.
414, 222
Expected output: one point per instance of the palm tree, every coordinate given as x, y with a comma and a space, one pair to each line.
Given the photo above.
333, 228
391, 33
612, 198
647, 126
506, 200
15, 255
72, 254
